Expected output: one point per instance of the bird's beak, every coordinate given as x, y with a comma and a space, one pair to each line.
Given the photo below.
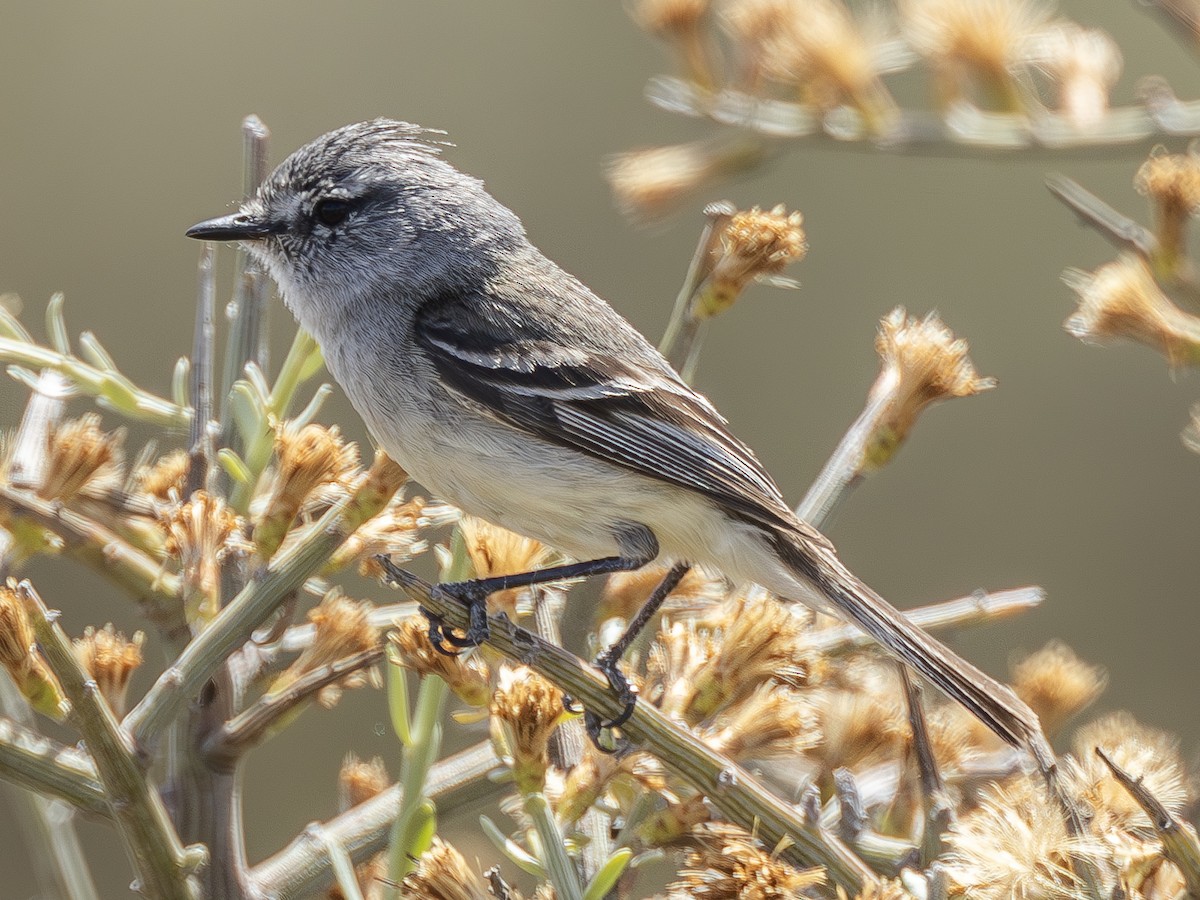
238, 227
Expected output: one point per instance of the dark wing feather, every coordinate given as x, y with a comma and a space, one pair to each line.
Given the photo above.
589, 399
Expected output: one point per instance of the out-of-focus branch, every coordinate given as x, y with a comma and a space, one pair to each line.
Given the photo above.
35, 762
304, 866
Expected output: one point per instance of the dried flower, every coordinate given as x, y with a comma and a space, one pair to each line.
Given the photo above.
311, 458
395, 532
1057, 684
166, 477
21, 659
466, 675
831, 58
495, 551
202, 535
360, 780
678, 820
862, 715
730, 864
922, 364
649, 183
772, 722
1172, 182
526, 709
1015, 844
1122, 300
110, 659
443, 874
343, 627
82, 460
979, 43
683, 23
1085, 63
1145, 753
696, 668
754, 245
756, 28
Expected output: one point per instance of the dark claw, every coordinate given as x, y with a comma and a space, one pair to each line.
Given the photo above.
595, 730
571, 705
437, 632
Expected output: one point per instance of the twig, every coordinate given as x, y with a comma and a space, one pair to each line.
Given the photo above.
162, 864
106, 553
1180, 844
734, 792
939, 811
303, 867
234, 625
35, 762
682, 334
251, 727
1120, 230
247, 336
977, 607
27, 464
200, 432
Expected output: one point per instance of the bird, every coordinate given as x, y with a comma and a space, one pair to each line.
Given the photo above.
508, 388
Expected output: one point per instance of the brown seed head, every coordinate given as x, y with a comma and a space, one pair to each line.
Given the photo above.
1122, 300
1085, 63
671, 18
82, 460
755, 244
202, 535
756, 28
1057, 684
1145, 753
862, 714
496, 551
696, 668
987, 39
443, 874
648, 183
466, 675
1171, 180
395, 532
526, 709
1015, 844
22, 660
830, 56
625, 592
359, 780
888, 889
166, 477
730, 864
772, 722
343, 628
110, 659
922, 363
311, 457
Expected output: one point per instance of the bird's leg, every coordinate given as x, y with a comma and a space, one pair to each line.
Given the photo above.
607, 661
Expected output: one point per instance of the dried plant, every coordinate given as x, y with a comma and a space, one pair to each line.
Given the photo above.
770, 753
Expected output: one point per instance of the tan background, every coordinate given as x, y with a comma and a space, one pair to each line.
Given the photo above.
120, 129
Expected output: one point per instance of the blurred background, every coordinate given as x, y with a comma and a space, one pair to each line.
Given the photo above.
121, 129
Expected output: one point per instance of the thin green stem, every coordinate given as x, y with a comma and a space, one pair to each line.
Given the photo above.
552, 852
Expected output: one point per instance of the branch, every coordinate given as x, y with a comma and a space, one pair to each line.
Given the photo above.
1118, 229
304, 867
39, 764
234, 625
251, 727
162, 864
733, 791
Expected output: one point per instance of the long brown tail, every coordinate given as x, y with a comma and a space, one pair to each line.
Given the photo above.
991, 702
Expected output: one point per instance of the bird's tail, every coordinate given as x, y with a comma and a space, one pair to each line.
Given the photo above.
994, 704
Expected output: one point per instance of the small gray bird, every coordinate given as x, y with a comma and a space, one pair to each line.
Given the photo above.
509, 389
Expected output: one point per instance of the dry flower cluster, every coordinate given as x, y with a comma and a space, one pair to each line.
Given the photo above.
1006, 75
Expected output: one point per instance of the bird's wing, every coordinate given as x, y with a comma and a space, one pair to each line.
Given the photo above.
641, 417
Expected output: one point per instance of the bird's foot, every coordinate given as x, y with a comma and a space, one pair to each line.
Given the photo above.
625, 692
444, 638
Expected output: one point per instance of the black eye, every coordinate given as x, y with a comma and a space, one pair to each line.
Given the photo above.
331, 211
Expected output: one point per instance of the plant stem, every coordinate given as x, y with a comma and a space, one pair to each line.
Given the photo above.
39, 764
680, 340
162, 864
234, 625
552, 852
